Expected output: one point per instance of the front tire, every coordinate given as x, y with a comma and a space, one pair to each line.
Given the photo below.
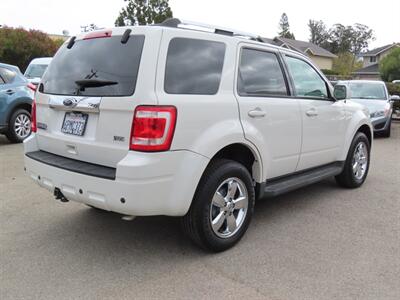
222, 207
19, 126
356, 166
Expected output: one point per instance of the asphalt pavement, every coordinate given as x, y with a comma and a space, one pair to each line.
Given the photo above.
320, 242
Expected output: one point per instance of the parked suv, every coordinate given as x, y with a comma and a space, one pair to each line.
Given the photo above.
167, 120
16, 96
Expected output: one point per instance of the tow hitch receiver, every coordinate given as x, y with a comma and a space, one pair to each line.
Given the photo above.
59, 195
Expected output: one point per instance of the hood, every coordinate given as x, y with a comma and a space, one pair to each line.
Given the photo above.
372, 105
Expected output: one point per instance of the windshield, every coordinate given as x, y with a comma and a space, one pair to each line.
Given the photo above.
35, 71
95, 62
367, 90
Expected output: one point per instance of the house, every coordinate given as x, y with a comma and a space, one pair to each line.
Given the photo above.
321, 57
371, 59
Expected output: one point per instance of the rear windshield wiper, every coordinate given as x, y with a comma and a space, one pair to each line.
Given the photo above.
84, 83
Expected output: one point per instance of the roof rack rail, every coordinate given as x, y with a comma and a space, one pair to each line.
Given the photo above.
177, 23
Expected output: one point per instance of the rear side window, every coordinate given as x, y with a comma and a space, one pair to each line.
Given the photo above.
7, 75
260, 74
194, 66
110, 66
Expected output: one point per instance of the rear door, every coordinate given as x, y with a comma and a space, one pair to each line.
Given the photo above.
88, 95
271, 119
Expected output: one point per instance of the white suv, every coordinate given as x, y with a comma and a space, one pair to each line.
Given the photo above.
168, 120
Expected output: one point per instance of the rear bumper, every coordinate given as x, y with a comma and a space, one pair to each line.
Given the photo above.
145, 183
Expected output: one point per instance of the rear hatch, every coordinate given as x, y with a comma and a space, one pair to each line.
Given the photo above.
87, 97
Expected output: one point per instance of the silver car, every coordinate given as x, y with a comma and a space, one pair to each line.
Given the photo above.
374, 95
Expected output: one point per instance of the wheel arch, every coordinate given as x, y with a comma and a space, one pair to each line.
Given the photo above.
245, 155
20, 105
367, 131
364, 127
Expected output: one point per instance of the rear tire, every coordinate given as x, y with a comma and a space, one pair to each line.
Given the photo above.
19, 127
222, 206
356, 166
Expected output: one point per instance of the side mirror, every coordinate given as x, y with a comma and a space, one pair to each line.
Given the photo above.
394, 98
340, 92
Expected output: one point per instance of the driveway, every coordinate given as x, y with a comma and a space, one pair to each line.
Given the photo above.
320, 242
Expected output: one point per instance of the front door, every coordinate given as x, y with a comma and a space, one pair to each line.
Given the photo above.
322, 116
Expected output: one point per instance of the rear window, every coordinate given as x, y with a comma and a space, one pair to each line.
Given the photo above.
100, 60
194, 66
35, 71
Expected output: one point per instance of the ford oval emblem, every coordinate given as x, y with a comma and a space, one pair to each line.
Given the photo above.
68, 102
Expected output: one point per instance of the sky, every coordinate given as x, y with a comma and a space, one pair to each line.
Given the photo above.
255, 16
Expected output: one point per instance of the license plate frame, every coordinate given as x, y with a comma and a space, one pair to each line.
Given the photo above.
69, 123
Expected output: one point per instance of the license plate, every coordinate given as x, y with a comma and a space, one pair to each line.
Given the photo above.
74, 123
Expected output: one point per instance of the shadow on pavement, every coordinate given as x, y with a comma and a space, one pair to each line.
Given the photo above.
98, 234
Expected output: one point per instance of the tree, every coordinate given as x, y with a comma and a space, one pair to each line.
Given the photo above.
352, 39
360, 38
143, 12
19, 46
389, 66
285, 28
90, 27
340, 38
344, 64
319, 34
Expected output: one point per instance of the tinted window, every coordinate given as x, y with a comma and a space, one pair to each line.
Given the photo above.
367, 90
7, 75
101, 59
307, 81
260, 74
193, 66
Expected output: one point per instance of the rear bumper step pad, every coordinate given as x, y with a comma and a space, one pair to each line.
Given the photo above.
73, 165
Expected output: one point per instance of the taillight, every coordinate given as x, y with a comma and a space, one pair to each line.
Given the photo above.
97, 34
33, 117
153, 128
32, 86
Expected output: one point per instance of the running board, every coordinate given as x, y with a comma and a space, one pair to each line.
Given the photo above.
300, 179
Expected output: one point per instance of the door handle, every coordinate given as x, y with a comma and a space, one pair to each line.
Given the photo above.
312, 112
10, 92
256, 113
